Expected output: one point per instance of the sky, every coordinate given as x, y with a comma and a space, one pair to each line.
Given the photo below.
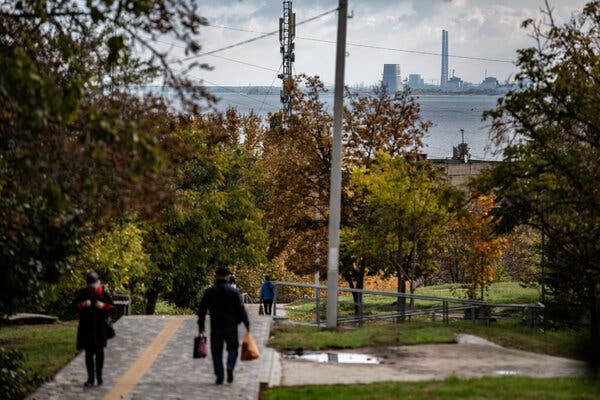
476, 28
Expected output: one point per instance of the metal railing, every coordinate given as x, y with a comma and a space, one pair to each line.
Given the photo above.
362, 308
247, 298
122, 303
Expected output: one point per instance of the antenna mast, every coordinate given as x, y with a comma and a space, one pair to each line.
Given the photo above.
287, 32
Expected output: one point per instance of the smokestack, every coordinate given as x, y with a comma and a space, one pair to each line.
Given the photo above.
444, 74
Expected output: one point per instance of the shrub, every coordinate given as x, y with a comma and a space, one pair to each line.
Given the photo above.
166, 308
12, 374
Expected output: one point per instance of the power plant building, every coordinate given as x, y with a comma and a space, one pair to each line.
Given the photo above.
415, 81
489, 83
444, 74
392, 81
454, 84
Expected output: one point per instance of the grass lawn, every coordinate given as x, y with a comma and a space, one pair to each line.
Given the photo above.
499, 293
506, 333
47, 348
509, 388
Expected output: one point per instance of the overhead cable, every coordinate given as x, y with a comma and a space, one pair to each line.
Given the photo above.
430, 53
262, 36
214, 55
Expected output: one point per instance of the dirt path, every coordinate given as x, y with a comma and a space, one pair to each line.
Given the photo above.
427, 362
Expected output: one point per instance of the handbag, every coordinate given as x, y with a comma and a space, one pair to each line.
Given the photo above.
108, 323
110, 329
261, 310
200, 348
249, 348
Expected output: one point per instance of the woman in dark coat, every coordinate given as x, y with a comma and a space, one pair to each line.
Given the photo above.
93, 303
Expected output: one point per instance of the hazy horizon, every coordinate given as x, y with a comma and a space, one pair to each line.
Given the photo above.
477, 28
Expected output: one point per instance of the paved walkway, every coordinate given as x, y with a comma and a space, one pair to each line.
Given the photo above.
172, 374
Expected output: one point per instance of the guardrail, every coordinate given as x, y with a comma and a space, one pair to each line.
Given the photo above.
247, 298
362, 310
122, 304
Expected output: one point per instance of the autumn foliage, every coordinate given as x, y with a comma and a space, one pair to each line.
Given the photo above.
482, 247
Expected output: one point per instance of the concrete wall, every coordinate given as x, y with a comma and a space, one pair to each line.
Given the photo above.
459, 172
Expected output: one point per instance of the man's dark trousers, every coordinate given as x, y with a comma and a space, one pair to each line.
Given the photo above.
217, 338
268, 306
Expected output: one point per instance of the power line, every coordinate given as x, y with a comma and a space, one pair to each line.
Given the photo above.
216, 56
269, 91
262, 36
263, 102
241, 94
429, 53
246, 63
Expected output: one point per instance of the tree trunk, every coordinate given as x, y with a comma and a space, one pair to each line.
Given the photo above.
401, 303
483, 281
360, 284
413, 268
412, 291
592, 350
595, 320
356, 280
151, 299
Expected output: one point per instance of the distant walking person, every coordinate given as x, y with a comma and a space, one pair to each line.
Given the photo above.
93, 303
233, 280
226, 312
267, 293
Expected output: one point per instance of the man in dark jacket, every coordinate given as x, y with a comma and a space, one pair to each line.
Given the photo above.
93, 303
226, 312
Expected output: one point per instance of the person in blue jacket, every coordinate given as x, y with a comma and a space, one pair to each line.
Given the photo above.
267, 293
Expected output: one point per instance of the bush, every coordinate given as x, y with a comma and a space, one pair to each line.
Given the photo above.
166, 308
12, 374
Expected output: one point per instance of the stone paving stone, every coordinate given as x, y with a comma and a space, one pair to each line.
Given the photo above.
174, 374
134, 333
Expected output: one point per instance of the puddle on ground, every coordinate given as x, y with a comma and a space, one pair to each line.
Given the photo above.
507, 372
335, 357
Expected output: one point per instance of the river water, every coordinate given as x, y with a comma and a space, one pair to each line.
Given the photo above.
448, 113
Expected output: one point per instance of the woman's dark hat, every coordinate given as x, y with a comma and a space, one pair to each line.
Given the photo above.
92, 278
222, 271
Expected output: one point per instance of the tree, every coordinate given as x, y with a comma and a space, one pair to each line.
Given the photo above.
548, 178
522, 257
383, 122
77, 151
215, 220
482, 246
407, 205
296, 158
388, 122
119, 257
451, 252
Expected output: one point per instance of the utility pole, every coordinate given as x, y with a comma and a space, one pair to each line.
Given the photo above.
335, 191
287, 32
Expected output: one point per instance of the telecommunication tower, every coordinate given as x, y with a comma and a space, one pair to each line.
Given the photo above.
287, 32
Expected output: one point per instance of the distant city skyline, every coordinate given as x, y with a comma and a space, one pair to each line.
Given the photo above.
477, 28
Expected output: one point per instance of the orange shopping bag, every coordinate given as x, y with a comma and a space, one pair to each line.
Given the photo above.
249, 348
